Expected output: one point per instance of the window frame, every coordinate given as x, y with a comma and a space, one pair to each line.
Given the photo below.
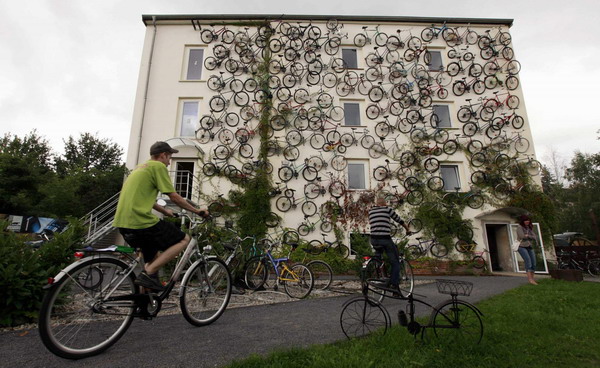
456, 167
180, 117
365, 164
190, 183
449, 114
355, 54
441, 66
360, 120
186, 63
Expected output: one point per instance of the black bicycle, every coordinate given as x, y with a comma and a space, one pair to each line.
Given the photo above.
451, 319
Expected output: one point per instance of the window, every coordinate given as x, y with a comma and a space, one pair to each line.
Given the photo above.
189, 119
450, 175
436, 61
356, 175
351, 114
194, 64
184, 177
350, 58
443, 114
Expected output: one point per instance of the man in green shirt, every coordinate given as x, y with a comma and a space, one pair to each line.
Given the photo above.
142, 229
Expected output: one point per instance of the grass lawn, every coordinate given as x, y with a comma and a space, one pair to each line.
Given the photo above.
554, 324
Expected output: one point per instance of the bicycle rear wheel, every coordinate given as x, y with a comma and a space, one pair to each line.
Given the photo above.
80, 319
362, 316
322, 274
255, 273
594, 267
457, 321
205, 292
299, 282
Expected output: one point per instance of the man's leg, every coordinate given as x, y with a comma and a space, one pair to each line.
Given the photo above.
163, 258
392, 252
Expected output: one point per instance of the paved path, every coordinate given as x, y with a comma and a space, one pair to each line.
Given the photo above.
170, 341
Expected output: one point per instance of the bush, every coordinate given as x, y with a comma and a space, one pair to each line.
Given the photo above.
24, 271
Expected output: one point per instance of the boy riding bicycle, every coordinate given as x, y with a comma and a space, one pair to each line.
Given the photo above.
142, 229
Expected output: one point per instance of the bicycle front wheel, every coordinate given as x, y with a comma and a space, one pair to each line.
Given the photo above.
255, 273
205, 292
457, 321
322, 274
438, 250
298, 281
363, 316
407, 279
81, 317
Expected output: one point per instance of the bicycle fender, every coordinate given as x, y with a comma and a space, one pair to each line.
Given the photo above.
62, 273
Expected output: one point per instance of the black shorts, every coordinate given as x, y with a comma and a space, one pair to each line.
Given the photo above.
153, 239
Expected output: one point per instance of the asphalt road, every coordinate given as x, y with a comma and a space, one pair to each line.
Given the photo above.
170, 341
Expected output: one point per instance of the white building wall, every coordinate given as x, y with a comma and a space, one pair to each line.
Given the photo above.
162, 88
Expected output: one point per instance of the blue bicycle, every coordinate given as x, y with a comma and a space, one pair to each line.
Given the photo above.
297, 279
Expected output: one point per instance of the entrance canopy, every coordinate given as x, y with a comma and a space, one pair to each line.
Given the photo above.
511, 211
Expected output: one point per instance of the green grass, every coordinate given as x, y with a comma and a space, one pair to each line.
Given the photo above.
555, 324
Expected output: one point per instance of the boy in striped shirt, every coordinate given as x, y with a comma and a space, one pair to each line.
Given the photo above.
380, 217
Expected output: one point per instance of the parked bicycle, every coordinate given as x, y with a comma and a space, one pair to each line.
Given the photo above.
454, 318
297, 279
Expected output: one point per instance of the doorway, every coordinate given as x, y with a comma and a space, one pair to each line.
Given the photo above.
497, 240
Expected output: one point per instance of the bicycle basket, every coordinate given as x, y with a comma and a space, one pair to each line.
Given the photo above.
454, 287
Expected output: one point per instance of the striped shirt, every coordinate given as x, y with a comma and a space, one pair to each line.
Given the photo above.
379, 219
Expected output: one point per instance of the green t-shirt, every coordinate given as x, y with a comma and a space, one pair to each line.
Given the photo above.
139, 193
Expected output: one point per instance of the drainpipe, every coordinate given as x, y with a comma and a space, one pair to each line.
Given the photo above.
146, 90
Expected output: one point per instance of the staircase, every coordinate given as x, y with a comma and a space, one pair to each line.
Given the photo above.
98, 221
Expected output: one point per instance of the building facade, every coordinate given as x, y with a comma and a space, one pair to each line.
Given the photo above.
427, 111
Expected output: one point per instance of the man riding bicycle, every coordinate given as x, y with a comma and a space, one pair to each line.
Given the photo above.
142, 229
380, 217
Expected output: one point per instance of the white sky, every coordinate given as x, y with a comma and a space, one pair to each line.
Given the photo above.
68, 66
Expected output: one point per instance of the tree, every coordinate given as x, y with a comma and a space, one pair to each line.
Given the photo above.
90, 172
25, 168
581, 196
88, 153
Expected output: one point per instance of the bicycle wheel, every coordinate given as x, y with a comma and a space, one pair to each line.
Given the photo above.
309, 208
458, 322
342, 250
407, 279
438, 250
475, 201
285, 173
415, 225
337, 189
205, 292
322, 274
521, 145
362, 316
339, 163
478, 262
297, 281
594, 267
414, 251
255, 272
77, 321
283, 204
462, 246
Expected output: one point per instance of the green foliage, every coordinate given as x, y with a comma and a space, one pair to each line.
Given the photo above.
36, 182
23, 271
25, 168
541, 208
442, 223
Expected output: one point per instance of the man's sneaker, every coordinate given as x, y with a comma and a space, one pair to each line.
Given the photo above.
149, 282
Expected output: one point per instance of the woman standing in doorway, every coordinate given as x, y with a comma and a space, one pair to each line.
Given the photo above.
526, 236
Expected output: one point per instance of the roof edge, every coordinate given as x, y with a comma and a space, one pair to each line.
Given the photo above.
147, 18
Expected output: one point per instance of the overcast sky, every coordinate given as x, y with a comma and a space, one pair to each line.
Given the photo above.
70, 66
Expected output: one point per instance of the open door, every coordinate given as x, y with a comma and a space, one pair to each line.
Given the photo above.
540, 255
